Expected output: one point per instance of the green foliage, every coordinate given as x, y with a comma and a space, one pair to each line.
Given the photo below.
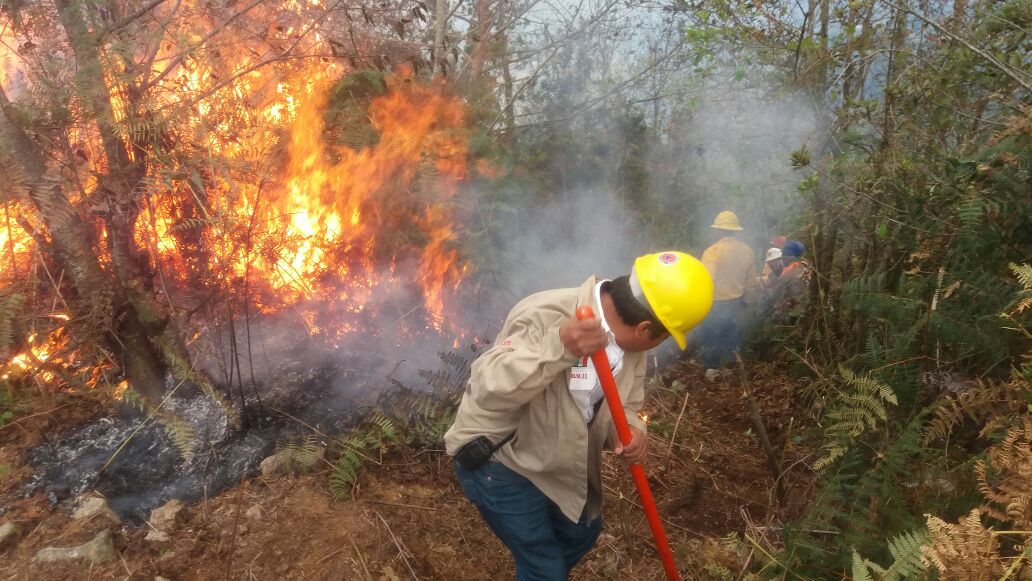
1023, 301
860, 409
800, 158
810, 183
347, 109
908, 561
301, 453
410, 418
371, 436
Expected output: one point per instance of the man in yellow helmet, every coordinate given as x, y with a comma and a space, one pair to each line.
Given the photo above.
732, 265
529, 432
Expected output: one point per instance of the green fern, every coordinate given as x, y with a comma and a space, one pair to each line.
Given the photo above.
855, 412
861, 568
908, 560
302, 453
381, 424
376, 432
405, 417
181, 432
970, 211
1023, 272
344, 473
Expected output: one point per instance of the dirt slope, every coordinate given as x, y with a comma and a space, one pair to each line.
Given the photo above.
408, 518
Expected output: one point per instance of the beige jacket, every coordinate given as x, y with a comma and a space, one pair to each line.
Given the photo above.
521, 385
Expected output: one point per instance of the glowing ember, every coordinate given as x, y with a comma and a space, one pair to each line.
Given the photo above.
30, 359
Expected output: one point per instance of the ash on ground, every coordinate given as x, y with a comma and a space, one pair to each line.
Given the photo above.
139, 463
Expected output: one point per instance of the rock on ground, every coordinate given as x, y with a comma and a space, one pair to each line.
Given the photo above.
94, 506
99, 550
275, 464
7, 532
164, 517
254, 513
287, 460
155, 536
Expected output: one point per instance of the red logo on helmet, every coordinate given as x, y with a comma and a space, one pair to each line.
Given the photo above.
668, 258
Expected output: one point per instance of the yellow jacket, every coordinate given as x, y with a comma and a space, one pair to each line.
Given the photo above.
732, 265
521, 385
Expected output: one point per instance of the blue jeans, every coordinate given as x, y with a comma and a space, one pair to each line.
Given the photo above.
544, 543
719, 334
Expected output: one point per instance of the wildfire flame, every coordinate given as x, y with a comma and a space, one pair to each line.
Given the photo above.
263, 206
318, 232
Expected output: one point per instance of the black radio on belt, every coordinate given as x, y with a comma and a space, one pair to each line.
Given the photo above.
478, 451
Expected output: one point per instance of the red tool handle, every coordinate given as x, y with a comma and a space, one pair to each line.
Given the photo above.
605, 376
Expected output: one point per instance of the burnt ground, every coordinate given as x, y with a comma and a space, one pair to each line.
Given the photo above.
408, 519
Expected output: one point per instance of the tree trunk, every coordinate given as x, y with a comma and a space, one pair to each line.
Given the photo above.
138, 320
888, 127
440, 55
482, 43
98, 299
510, 106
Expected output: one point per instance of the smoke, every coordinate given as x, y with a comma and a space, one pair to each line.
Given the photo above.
720, 149
560, 243
732, 150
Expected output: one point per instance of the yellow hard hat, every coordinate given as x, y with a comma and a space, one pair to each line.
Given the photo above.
726, 220
676, 287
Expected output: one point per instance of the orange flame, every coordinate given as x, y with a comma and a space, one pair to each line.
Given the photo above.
344, 222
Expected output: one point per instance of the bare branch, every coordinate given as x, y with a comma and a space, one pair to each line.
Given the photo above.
133, 17
186, 53
1003, 67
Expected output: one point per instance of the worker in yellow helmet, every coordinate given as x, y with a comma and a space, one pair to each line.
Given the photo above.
732, 264
530, 429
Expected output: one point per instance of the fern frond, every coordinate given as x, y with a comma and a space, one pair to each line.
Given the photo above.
855, 412
1023, 272
906, 551
190, 224
182, 433
860, 571
9, 307
344, 472
986, 403
966, 550
302, 454
182, 370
